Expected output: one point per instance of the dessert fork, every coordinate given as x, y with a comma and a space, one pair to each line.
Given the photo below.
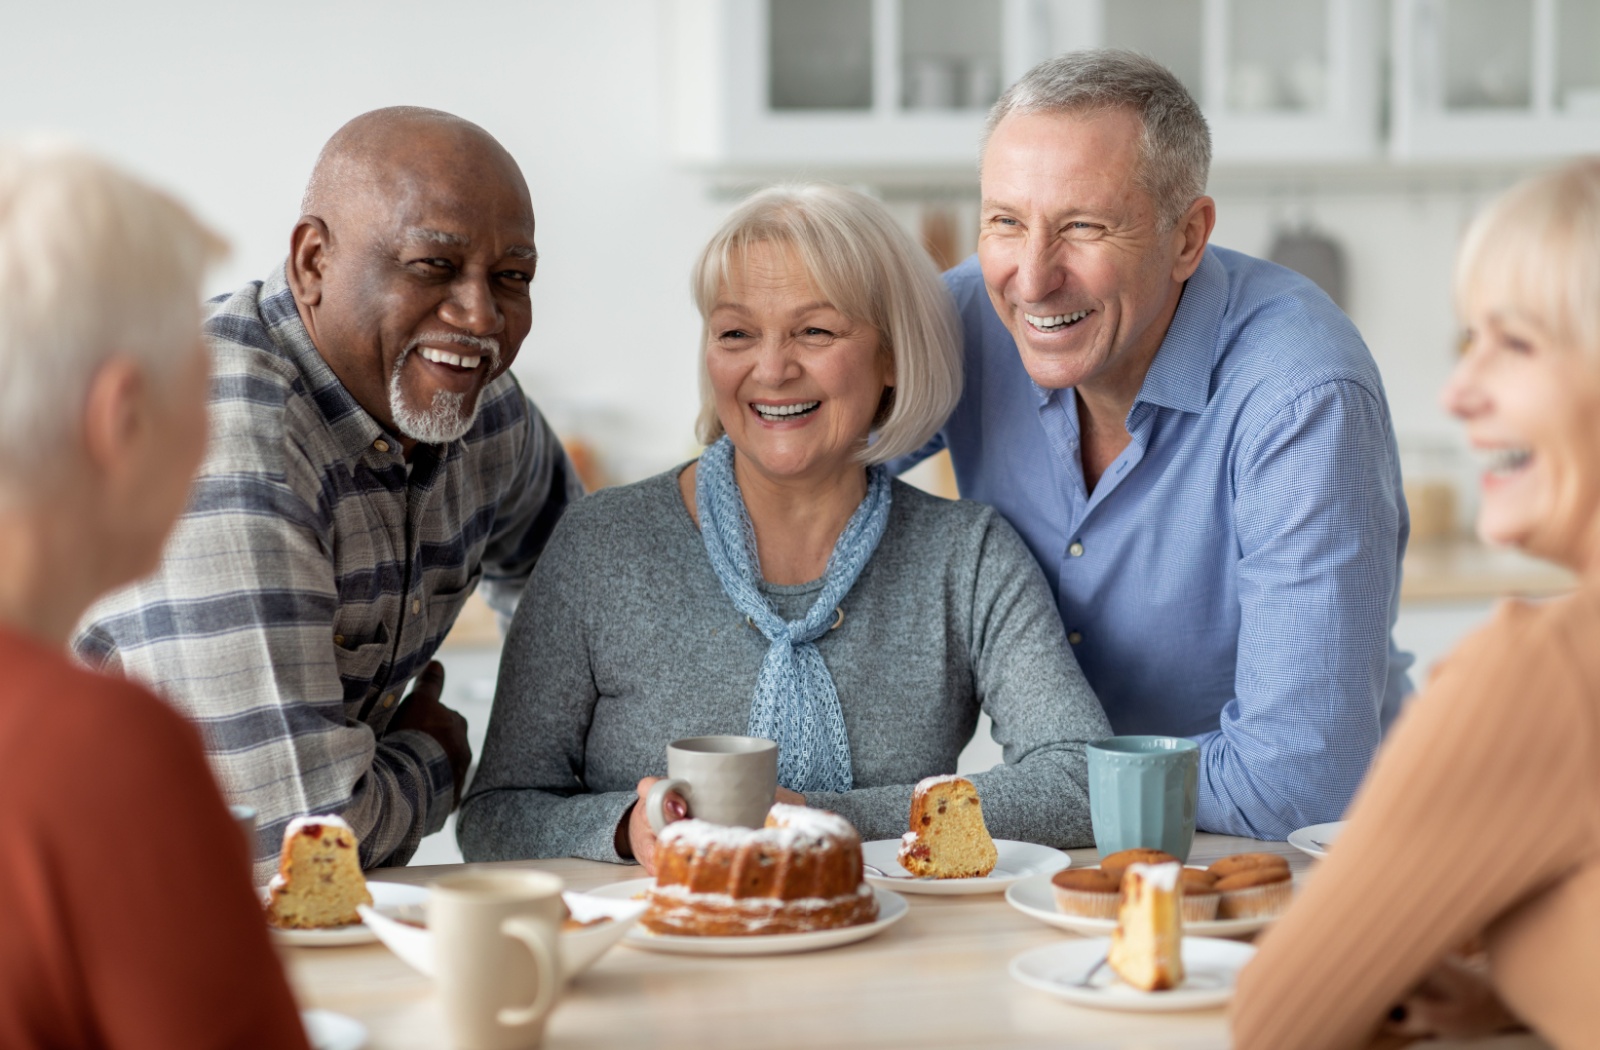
873, 869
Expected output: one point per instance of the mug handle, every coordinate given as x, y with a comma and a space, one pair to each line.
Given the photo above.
655, 801
534, 935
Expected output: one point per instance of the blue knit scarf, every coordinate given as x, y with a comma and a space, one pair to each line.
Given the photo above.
795, 702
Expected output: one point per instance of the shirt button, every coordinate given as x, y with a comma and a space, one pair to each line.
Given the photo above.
1075, 637
381, 445
416, 605
338, 639
388, 701
1076, 550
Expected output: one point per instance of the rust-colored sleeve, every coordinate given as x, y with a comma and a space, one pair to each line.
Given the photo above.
136, 926
1467, 811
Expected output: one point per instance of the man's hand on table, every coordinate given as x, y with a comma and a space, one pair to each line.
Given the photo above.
636, 840
422, 711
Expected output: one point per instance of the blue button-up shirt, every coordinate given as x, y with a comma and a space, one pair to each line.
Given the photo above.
1234, 576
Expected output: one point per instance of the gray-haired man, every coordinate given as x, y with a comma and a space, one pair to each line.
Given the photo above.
1195, 445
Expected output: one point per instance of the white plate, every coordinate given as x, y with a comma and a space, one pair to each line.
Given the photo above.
1211, 969
326, 1030
1036, 899
393, 899
578, 949
1305, 839
1018, 860
891, 909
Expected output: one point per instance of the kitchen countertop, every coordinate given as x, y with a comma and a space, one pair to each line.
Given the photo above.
1464, 569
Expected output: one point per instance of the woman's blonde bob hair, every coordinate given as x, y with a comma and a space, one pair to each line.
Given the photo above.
870, 270
1536, 249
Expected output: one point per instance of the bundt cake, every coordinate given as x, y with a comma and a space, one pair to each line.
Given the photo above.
948, 838
801, 872
1147, 945
319, 880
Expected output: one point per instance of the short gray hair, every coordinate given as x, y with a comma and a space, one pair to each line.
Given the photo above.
1175, 150
870, 270
93, 263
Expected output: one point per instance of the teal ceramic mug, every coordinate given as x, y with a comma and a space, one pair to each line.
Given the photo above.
1142, 793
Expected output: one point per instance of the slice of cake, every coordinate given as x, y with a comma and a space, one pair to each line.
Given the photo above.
948, 839
1147, 945
319, 880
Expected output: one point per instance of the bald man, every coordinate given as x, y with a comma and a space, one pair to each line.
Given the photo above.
372, 461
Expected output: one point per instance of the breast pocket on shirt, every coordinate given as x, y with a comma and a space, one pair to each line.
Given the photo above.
360, 665
445, 605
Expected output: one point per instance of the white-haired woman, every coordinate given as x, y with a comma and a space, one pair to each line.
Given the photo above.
1481, 817
129, 919
783, 585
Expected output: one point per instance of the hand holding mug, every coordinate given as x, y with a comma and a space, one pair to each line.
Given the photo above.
641, 837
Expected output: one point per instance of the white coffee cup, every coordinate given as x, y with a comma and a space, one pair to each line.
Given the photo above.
245, 818
496, 960
725, 780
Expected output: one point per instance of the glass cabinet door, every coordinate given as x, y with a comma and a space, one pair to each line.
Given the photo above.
949, 54
820, 54
1277, 57
1577, 80
1486, 50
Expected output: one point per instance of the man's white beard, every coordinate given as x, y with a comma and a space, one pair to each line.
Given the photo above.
446, 419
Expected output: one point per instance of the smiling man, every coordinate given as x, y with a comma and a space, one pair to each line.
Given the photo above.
372, 461
1195, 445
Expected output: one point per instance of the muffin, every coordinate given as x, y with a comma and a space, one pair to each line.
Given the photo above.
1086, 892
1200, 896
1118, 862
1254, 893
1247, 862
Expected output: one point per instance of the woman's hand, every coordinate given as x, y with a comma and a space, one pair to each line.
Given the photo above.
1454, 1001
641, 837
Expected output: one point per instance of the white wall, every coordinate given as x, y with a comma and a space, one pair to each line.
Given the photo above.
228, 103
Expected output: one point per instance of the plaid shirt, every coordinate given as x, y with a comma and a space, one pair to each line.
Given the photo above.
311, 578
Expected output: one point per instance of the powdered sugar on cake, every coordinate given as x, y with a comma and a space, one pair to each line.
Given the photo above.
299, 824
1163, 877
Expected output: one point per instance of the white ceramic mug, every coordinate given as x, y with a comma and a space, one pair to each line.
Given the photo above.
496, 938
724, 779
245, 818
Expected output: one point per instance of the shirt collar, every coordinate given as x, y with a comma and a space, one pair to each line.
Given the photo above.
1180, 376
354, 430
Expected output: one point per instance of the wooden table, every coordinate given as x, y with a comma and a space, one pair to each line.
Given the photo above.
936, 979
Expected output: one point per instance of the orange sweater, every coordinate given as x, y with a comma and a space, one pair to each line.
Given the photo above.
1481, 814
126, 914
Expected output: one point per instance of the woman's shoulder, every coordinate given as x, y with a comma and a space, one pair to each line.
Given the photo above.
643, 502
935, 519
621, 516
1541, 651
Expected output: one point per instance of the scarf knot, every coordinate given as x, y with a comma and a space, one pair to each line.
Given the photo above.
795, 702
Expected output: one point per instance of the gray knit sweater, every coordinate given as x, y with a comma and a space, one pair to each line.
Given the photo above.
625, 641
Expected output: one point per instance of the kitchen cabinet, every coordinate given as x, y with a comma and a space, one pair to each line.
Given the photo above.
1495, 79
896, 84
1278, 80
802, 85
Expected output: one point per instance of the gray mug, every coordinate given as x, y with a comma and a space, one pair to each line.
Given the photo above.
725, 779
1142, 793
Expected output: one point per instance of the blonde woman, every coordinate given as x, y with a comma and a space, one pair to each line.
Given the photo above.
1481, 817
783, 585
